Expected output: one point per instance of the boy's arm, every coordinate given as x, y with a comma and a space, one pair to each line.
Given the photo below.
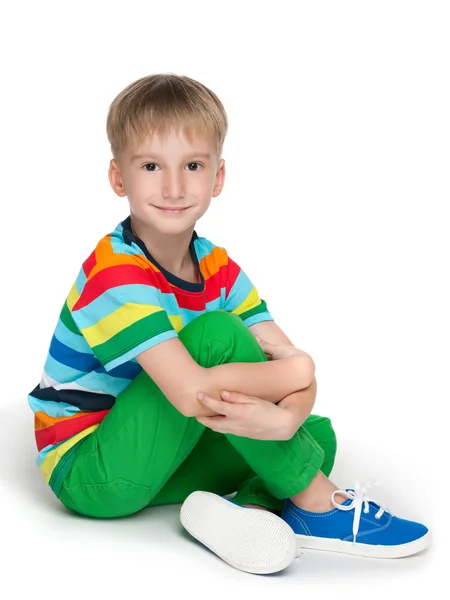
267, 380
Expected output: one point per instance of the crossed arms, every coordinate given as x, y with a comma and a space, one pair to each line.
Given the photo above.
268, 380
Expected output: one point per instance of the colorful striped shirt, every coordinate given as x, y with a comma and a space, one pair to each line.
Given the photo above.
122, 303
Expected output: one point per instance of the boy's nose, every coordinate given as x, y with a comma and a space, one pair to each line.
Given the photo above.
173, 186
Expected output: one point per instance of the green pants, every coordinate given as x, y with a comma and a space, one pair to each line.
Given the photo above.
146, 453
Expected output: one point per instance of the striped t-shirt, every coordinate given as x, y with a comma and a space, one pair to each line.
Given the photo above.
122, 303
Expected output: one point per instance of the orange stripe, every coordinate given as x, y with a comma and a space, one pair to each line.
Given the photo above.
42, 420
61, 431
212, 263
124, 259
104, 249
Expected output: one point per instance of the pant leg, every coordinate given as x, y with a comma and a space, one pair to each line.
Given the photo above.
226, 471
213, 466
254, 491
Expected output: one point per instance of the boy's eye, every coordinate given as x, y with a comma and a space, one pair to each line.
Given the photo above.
149, 165
195, 163
151, 170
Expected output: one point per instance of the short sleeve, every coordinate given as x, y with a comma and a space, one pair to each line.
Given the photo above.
242, 298
119, 312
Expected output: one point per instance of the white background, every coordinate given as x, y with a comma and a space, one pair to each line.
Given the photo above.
337, 178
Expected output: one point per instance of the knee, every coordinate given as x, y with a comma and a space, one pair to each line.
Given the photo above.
223, 336
218, 318
216, 323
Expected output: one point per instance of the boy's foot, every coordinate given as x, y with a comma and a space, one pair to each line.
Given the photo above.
252, 540
369, 530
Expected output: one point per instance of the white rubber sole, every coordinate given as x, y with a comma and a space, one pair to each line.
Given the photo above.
369, 550
252, 540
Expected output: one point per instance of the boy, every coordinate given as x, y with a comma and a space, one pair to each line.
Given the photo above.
131, 409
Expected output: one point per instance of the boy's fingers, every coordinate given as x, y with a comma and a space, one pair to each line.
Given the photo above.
218, 405
218, 424
235, 397
229, 396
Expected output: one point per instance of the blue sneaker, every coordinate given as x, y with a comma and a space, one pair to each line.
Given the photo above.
252, 540
376, 533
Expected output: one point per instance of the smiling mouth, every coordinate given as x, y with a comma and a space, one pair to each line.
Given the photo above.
174, 210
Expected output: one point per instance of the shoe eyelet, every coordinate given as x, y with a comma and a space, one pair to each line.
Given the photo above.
376, 517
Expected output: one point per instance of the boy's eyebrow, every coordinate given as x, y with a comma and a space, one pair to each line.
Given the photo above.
153, 155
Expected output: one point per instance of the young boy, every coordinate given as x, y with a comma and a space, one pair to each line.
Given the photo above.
158, 317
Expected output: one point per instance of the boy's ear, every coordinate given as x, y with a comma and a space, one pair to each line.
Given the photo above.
115, 178
220, 178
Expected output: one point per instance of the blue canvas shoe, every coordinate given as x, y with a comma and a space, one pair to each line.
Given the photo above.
372, 531
252, 540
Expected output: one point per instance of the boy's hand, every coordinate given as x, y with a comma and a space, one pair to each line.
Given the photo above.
247, 416
278, 351
305, 364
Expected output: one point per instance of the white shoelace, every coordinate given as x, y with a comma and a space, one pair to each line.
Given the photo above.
359, 497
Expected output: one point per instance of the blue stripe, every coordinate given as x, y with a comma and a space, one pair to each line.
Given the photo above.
189, 315
65, 356
263, 316
72, 340
80, 280
166, 335
104, 382
118, 244
203, 247
52, 409
128, 370
60, 372
239, 292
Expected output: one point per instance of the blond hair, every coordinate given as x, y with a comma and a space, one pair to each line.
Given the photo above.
161, 102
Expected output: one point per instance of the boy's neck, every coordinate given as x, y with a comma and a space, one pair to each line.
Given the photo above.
170, 251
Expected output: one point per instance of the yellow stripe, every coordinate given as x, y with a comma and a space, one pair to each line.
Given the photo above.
118, 320
250, 302
53, 457
176, 321
72, 297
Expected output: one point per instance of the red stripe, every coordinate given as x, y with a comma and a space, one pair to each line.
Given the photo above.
196, 301
125, 274
232, 274
108, 278
66, 429
89, 263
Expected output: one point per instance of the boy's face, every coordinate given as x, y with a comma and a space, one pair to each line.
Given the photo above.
169, 173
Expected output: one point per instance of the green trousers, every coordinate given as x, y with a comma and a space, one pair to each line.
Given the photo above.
146, 453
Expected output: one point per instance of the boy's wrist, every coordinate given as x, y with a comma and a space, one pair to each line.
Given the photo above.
299, 405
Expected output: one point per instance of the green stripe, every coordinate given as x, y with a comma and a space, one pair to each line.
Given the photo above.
254, 311
67, 319
132, 336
